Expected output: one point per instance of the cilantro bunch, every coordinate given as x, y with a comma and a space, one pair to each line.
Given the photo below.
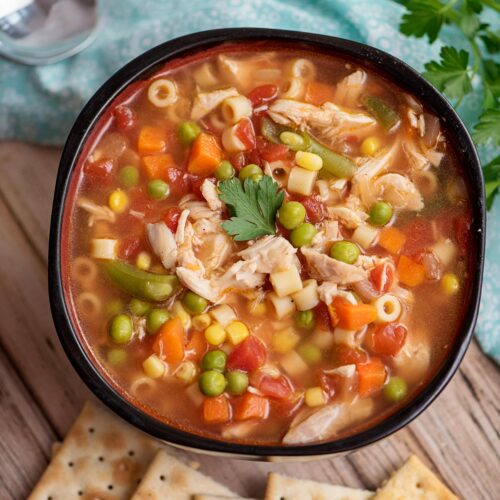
454, 72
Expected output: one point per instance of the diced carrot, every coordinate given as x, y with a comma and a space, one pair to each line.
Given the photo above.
371, 376
392, 239
169, 341
156, 166
216, 410
410, 273
197, 346
151, 140
318, 93
205, 155
352, 316
251, 406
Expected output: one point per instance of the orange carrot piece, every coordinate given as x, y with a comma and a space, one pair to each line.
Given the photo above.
318, 93
205, 155
352, 316
410, 273
197, 346
151, 140
216, 410
392, 239
371, 377
156, 166
251, 406
169, 341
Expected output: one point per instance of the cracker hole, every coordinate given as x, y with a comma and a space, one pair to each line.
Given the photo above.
162, 478
131, 453
70, 464
110, 486
80, 493
419, 485
101, 459
91, 430
138, 481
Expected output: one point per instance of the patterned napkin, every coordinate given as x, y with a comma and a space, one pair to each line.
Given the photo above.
40, 104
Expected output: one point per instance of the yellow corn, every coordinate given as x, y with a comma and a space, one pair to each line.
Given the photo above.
237, 332
292, 139
118, 201
285, 340
186, 372
153, 366
309, 161
257, 308
143, 261
450, 284
314, 396
215, 334
370, 146
181, 313
201, 321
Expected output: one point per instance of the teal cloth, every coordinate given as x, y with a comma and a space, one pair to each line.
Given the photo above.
40, 104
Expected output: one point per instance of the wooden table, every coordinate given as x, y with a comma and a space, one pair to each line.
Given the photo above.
40, 394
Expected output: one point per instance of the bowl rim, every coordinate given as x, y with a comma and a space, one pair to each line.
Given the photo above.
387, 65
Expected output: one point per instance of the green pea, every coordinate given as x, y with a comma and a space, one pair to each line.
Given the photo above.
237, 382
158, 189
395, 390
120, 329
212, 383
194, 303
139, 307
380, 213
249, 171
310, 353
305, 319
116, 356
155, 320
114, 307
214, 360
303, 235
345, 251
224, 171
129, 176
291, 214
188, 132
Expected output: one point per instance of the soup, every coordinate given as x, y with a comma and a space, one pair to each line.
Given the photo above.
268, 245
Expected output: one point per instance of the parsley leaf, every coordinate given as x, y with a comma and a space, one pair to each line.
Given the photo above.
491, 83
488, 127
491, 173
450, 75
254, 206
423, 17
491, 41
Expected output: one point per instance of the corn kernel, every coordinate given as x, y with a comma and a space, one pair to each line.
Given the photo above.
285, 340
143, 261
295, 141
201, 321
186, 372
153, 366
178, 311
450, 284
215, 334
314, 396
309, 161
118, 201
237, 332
257, 308
370, 146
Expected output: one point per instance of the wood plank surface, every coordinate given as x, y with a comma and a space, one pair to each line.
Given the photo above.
40, 394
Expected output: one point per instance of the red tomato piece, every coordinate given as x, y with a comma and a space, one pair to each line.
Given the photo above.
126, 118
330, 383
101, 170
252, 157
382, 277
238, 160
275, 387
286, 407
351, 139
245, 132
247, 356
171, 218
322, 317
177, 180
195, 183
263, 94
271, 152
315, 209
130, 247
387, 339
345, 355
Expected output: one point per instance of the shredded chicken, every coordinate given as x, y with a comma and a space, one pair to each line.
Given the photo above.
414, 359
163, 243
349, 217
205, 102
349, 88
327, 291
416, 159
328, 232
399, 191
270, 254
198, 209
209, 192
97, 212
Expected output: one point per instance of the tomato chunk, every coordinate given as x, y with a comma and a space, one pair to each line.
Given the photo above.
315, 209
272, 152
382, 277
344, 355
275, 387
101, 170
247, 356
387, 339
245, 132
177, 180
126, 118
263, 94
322, 317
171, 218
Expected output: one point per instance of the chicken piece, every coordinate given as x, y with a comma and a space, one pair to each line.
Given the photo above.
97, 212
214, 250
324, 268
163, 243
368, 262
328, 232
414, 359
194, 280
349, 89
198, 209
242, 275
327, 291
211, 195
399, 191
416, 159
205, 102
349, 217
328, 421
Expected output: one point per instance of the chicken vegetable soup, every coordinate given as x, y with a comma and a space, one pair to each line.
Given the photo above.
268, 245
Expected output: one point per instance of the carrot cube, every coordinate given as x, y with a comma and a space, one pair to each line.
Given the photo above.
169, 341
318, 93
155, 166
216, 410
371, 377
410, 273
351, 316
205, 155
151, 140
251, 406
392, 239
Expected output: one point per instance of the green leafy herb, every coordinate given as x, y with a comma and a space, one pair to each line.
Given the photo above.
454, 73
253, 205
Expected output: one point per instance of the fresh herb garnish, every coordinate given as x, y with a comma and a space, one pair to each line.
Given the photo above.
253, 205
454, 72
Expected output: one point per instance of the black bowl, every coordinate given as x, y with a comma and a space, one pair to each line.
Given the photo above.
144, 65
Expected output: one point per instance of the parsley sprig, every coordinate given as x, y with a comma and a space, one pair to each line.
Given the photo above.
454, 72
253, 204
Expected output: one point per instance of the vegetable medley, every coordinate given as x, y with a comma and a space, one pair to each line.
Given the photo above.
268, 245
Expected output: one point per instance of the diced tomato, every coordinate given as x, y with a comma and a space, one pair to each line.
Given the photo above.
252, 157
387, 339
419, 235
130, 247
351, 139
330, 383
315, 209
322, 317
238, 160
286, 407
271, 152
126, 118
171, 218
247, 356
344, 355
101, 171
263, 94
382, 277
195, 185
275, 387
245, 132
177, 180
